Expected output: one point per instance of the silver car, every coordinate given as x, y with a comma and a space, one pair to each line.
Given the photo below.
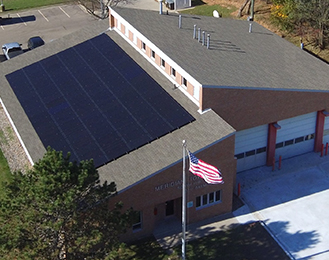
11, 50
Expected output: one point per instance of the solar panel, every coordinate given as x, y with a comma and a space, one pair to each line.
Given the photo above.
94, 101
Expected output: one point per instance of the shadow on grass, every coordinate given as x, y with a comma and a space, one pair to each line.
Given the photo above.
248, 241
236, 241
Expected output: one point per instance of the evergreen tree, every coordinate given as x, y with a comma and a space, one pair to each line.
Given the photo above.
59, 210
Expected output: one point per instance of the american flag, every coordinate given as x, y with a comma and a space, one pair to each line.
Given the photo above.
204, 170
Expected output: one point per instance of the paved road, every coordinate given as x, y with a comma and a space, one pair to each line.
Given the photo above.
49, 23
293, 202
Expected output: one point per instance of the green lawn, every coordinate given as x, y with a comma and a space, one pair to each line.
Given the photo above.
11, 5
247, 242
5, 173
207, 10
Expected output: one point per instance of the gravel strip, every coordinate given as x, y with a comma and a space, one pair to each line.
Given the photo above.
11, 147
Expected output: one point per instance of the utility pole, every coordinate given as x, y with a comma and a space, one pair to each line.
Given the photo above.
252, 10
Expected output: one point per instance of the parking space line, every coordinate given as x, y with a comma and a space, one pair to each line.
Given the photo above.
64, 12
43, 15
22, 19
83, 8
2, 27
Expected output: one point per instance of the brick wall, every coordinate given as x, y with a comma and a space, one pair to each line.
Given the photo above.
244, 108
154, 192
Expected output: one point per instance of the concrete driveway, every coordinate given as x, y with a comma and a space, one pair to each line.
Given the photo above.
293, 202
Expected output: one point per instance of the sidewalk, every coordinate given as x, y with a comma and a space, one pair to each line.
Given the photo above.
291, 202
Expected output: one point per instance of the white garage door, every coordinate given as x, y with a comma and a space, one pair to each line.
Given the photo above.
326, 131
296, 136
250, 147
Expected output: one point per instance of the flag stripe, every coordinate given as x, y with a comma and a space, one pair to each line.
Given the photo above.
204, 170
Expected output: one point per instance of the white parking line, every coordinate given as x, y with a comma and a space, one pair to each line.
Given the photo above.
83, 8
22, 19
43, 15
2, 27
64, 12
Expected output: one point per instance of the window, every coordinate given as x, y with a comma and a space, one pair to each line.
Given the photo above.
163, 63
143, 46
249, 153
261, 150
279, 145
184, 82
137, 221
299, 139
153, 54
309, 137
208, 199
173, 72
239, 156
289, 142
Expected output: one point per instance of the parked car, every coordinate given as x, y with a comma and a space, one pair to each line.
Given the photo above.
11, 50
34, 42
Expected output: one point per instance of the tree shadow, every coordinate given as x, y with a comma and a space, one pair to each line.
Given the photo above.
15, 20
246, 241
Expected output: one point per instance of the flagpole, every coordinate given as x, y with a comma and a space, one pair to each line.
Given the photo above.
183, 204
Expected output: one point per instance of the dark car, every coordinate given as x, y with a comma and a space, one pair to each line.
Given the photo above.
34, 42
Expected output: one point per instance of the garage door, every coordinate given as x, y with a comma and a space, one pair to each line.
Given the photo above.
326, 131
296, 136
250, 147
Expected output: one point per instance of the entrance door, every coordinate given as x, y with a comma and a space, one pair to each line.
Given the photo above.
169, 207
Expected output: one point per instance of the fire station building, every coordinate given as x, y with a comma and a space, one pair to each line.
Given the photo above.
128, 92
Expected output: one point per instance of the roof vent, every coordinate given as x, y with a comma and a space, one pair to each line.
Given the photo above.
208, 41
160, 6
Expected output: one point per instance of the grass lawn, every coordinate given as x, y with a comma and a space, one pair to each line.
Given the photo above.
239, 242
5, 173
11, 5
207, 10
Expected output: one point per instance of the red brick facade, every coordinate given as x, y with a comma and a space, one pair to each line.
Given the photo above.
244, 108
165, 186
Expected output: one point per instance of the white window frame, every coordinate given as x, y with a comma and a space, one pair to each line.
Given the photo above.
173, 72
163, 63
208, 199
184, 84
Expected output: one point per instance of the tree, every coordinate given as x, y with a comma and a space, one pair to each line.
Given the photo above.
302, 16
314, 14
99, 8
59, 210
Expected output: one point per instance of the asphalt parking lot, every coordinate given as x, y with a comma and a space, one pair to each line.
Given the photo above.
50, 23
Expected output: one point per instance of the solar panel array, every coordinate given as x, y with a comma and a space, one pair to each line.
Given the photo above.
94, 101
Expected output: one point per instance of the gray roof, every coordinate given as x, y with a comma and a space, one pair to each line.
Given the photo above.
207, 129
236, 58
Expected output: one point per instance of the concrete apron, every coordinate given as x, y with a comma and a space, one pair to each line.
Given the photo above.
292, 202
